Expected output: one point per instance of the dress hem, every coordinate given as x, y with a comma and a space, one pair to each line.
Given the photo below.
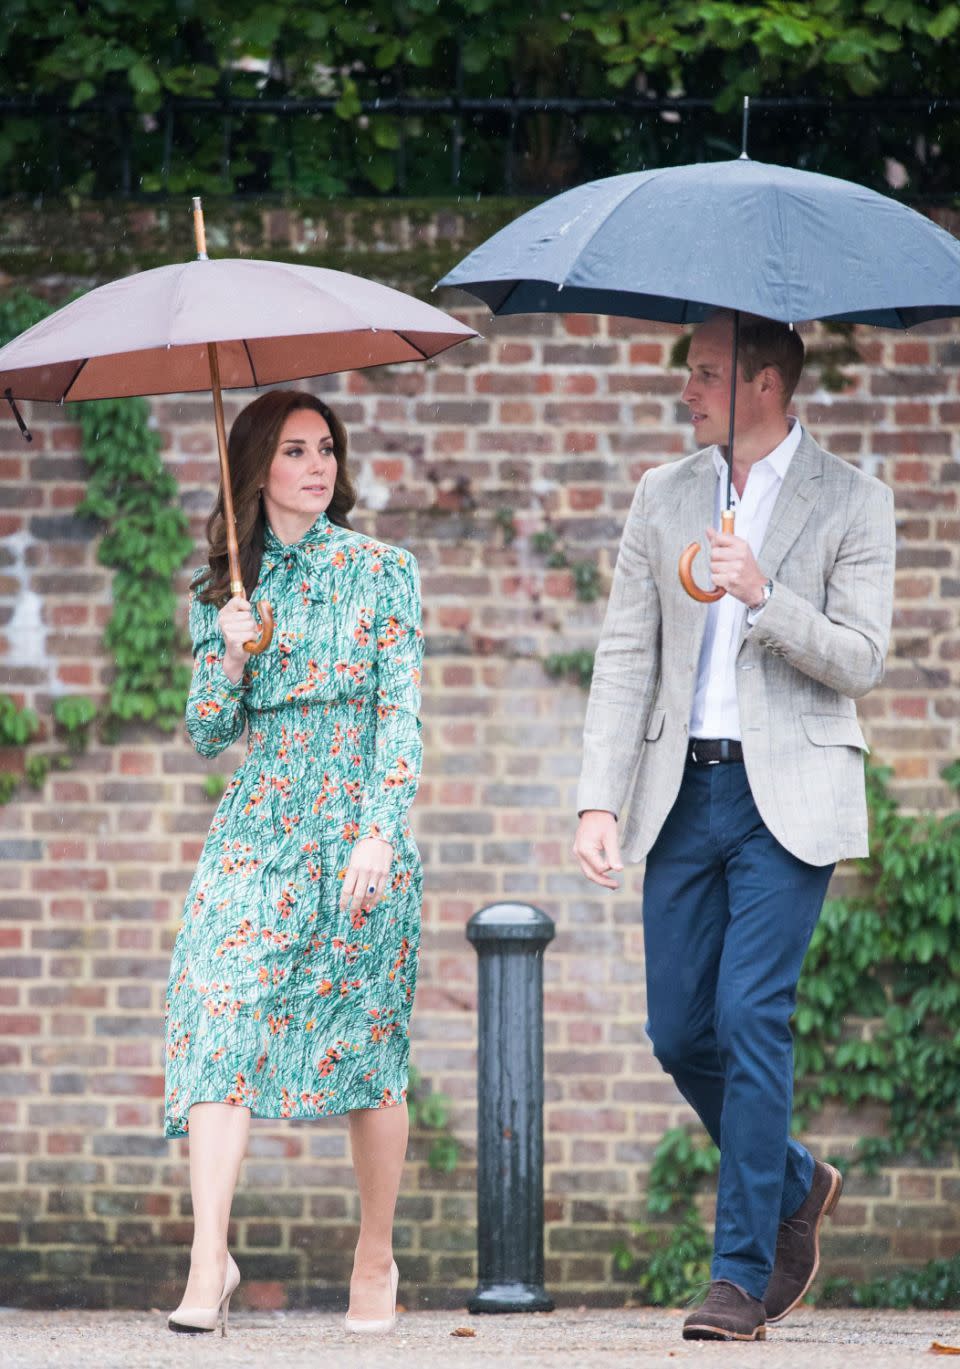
378, 1106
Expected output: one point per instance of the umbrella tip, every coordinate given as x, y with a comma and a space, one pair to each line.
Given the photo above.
199, 230
744, 155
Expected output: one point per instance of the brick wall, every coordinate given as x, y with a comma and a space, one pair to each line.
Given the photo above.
550, 419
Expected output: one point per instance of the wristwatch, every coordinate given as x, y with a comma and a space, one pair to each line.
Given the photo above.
765, 593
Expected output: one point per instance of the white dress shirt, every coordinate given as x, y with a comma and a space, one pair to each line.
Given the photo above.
715, 712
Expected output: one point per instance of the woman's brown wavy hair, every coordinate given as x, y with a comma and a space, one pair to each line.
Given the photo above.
250, 448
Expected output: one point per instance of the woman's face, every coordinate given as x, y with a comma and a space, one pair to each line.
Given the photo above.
303, 471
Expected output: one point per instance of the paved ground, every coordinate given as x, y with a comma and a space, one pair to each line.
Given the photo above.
425, 1340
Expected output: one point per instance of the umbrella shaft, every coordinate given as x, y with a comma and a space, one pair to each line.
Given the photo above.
728, 503
233, 550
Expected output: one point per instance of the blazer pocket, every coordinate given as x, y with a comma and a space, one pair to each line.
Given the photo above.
830, 729
655, 725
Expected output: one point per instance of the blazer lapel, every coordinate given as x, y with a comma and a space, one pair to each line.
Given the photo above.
794, 505
696, 513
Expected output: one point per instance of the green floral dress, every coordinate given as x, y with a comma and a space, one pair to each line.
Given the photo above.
277, 1000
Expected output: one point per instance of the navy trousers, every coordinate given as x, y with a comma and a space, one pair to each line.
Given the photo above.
727, 917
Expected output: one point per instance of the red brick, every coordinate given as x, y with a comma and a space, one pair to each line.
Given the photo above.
19, 1024
54, 880
516, 411
584, 497
575, 442
649, 354
514, 353
581, 325
912, 353
577, 384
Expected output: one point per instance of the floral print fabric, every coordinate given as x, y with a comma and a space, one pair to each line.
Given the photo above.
277, 1000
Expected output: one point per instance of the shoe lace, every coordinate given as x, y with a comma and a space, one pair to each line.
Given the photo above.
697, 1292
791, 1228
723, 1295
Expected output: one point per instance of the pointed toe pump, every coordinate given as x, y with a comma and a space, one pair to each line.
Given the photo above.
374, 1326
194, 1319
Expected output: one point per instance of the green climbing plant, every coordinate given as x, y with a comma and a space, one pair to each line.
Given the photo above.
430, 1113
214, 784
144, 540
576, 666
879, 998
876, 1021
669, 1261
18, 726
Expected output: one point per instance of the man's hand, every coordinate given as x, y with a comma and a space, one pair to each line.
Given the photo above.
596, 847
734, 568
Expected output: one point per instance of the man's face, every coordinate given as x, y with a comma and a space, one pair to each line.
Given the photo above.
707, 391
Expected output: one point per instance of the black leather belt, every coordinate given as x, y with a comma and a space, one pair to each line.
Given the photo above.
714, 750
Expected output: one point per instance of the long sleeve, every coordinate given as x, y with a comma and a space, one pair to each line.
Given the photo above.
625, 672
392, 783
844, 646
215, 712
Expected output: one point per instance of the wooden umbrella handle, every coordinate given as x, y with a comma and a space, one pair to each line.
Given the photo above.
702, 596
256, 645
259, 644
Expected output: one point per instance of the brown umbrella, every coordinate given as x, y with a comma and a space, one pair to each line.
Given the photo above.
214, 325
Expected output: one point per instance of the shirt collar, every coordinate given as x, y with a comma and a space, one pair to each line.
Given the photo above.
778, 460
274, 547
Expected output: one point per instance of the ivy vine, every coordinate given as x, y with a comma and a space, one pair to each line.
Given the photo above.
576, 665
879, 999
876, 1021
145, 540
675, 1258
429, 1113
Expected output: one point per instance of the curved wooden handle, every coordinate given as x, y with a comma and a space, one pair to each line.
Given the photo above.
702, 596
259, 644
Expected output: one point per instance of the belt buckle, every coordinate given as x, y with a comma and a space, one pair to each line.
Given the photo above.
696, 759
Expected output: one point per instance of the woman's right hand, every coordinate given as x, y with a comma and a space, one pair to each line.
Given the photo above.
237, 625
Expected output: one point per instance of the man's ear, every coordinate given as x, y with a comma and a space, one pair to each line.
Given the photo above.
771, 381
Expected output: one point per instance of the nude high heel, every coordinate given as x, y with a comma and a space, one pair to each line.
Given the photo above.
367, 1326
193, 1319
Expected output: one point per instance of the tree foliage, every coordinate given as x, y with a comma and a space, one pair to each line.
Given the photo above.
117, 69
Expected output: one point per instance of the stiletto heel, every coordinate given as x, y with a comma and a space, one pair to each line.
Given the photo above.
194, 1319
371, 1326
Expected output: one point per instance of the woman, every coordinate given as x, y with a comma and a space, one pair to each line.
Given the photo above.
295, 965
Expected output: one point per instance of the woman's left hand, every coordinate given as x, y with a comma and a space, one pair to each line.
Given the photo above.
366, 877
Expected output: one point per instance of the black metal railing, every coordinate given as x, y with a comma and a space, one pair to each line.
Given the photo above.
456, 144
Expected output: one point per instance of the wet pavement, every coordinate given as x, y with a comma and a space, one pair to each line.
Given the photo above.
566, 1339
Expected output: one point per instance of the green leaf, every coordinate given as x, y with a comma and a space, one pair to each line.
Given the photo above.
143, 78
945, 23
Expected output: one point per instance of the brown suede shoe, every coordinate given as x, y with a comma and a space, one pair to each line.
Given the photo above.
727, 1313
798, 1243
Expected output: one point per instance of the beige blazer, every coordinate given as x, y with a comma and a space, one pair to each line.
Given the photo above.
819, 644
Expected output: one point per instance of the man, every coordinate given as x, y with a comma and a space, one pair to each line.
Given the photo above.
722, 744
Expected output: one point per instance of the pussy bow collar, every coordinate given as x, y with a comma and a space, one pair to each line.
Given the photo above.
298, 567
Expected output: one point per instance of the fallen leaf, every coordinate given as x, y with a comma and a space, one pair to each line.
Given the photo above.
463, 1331
937, 1348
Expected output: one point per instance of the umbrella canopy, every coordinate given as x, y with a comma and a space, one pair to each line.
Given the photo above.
210, 325
148, 333
672, 244
676, 243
